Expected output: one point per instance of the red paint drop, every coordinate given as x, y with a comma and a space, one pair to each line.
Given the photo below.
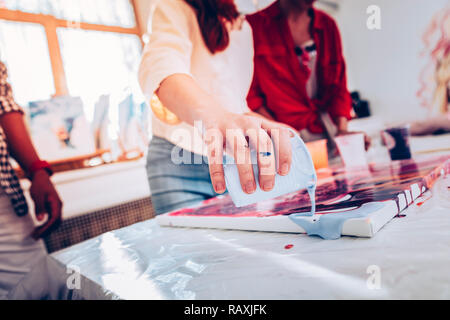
289, 246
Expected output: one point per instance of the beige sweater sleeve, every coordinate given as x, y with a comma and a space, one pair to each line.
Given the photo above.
169, 49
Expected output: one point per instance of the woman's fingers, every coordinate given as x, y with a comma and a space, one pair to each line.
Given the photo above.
214, 142
266, 158
271, 141
54, 206
238, 146
281, 137
39, 203
243, 161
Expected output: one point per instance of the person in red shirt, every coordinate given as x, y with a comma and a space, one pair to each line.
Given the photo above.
300, 74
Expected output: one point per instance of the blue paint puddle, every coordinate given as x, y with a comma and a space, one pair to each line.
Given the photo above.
329, 226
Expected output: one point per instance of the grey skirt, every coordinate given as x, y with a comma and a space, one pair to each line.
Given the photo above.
173, 185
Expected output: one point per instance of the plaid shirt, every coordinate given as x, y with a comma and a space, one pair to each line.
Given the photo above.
8, 178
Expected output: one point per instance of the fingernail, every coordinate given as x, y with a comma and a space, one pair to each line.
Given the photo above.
284, 169
219, 187
250, 187
268, 186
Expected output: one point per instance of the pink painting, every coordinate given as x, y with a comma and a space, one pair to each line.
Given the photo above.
393, 186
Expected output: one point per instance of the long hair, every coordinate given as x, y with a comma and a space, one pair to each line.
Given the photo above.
213, 17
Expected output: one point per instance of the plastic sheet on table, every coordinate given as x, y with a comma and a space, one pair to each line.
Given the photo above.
145, 261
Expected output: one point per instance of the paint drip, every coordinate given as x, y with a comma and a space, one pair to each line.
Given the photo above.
312, 197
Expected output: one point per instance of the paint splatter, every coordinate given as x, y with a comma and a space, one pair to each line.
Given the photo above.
423, 201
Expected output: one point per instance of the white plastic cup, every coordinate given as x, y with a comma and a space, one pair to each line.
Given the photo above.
352, 150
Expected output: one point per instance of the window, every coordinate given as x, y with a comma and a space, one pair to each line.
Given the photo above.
104, 12
63, 40
109, 66
23, 47
72, 49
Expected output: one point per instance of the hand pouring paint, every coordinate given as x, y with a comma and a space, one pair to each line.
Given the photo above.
301, 176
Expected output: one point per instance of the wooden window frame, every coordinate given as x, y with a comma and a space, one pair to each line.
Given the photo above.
51, 23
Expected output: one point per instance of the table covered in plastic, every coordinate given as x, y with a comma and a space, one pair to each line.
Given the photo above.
408, 258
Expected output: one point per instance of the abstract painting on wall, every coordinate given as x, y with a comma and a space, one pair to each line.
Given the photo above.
364, 200
133, 125
59, 128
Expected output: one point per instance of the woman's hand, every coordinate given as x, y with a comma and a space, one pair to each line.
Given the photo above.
46, 201
237, 134
233, 132
342, 126
266, 116
367, 139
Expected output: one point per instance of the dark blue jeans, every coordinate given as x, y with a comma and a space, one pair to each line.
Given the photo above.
174, 186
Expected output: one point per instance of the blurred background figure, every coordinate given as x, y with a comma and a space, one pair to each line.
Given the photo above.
300, 74
20, 248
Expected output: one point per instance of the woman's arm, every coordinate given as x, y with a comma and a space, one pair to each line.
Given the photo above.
19, 142
165, 70
21, 148
342, 126
42, 191
181, 95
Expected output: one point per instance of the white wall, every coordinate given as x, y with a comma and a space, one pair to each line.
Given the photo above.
384, 65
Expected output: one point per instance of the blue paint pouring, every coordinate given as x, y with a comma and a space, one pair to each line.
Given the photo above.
302, 176
312, 197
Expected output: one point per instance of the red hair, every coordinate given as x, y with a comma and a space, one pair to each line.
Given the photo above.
212, 16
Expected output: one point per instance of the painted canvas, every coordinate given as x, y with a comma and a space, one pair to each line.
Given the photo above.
133, 125
369, 198
100, 123
60, 129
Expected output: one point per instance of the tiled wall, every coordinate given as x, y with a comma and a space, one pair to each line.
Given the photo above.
81, 228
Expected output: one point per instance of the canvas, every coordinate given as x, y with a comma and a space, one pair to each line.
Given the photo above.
60, 129
390, 188
133, 125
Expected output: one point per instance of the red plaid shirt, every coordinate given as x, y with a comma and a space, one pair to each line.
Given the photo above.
280, 79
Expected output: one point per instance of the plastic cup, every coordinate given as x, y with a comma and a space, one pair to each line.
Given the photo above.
352, 150
319, 153
397, 141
